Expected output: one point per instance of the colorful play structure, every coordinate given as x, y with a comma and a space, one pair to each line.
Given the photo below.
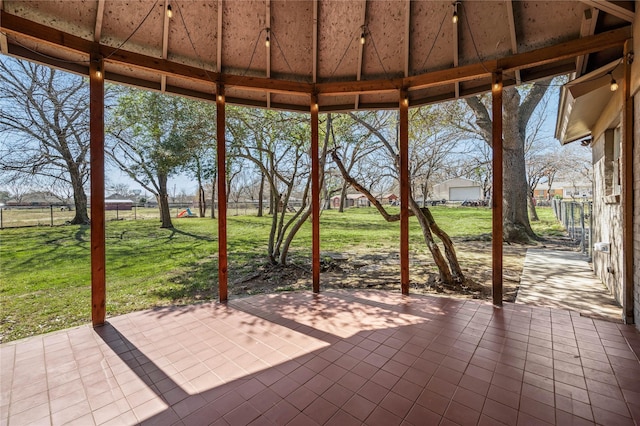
186, 213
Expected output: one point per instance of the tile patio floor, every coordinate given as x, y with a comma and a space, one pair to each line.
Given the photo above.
338, 358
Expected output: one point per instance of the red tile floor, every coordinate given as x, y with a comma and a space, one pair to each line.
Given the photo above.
338, 358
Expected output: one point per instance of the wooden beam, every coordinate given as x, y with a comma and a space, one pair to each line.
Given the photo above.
512, 32
97, 32
456, 56
587, 28
627, 188
222, 194
404, 191
363, 21
165, 43
314, 46
496, 199
96, 160
315, 196
407, 36
12, 24
219, 38
612, 9
268, 45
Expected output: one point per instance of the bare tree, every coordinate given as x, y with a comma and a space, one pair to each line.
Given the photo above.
519, 105
383, 126
278, 144
44, 122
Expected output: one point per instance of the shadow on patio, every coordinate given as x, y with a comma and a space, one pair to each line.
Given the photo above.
342, 357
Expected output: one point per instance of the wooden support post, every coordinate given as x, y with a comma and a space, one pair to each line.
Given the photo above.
222, 194
315, 196
627, 188
496, 92
96, 159
404, 191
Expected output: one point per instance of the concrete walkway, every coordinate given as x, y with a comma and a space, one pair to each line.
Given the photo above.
565, 280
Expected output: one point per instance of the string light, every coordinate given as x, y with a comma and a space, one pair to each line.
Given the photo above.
454, 18
613, 86
169, 12
267, 41
363, 37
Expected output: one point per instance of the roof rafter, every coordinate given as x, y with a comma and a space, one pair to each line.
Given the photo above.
267, 22
314, 42
219, 39
587, 28
165, 42
407, 36
361, 48
456, 49
14, 25
97, 33
512, 32
611, 8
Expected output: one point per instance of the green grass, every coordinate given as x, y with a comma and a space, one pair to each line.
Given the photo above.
45, 272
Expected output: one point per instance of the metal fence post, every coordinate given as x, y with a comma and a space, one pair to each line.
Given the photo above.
51, 213
1, 209
582, 239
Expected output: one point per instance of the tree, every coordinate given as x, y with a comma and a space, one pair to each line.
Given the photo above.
202, 164
355, 145
434, 150
518, 107
44, 122
278, 144
154, 135
383, 127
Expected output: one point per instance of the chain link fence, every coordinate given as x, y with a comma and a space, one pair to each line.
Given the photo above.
577, 218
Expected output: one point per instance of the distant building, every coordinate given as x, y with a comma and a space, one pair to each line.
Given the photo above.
40, 198
458, 189
117, 202
563, 189
360, 200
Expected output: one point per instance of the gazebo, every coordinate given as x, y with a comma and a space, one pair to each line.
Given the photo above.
320, 56
315, 56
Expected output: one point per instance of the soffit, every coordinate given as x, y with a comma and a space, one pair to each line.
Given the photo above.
314, 45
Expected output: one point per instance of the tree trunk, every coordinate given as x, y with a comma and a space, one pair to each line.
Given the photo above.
449, 249
202, 202
163, 202
81, 217
343, 196
261, 196
213, 195
515, 219
533, 214
443, 268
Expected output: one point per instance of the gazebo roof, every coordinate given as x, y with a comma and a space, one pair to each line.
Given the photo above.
315, 45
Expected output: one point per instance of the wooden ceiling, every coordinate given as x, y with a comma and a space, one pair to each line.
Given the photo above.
315, 45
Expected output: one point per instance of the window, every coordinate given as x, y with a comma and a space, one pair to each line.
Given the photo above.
612, 161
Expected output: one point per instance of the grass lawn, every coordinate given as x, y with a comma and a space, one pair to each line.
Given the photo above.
45, 272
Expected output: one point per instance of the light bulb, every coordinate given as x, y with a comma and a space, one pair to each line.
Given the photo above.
362, 38
454, 19
98, 73
169, 12
496, 86
267, 42
613, 85
220, 98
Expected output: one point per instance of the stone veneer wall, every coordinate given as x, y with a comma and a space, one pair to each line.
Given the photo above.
636, 210
607, 224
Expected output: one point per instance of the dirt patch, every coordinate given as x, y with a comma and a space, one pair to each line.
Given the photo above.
380, 269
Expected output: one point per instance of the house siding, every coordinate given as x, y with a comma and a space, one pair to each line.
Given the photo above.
636, 210
607, 225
